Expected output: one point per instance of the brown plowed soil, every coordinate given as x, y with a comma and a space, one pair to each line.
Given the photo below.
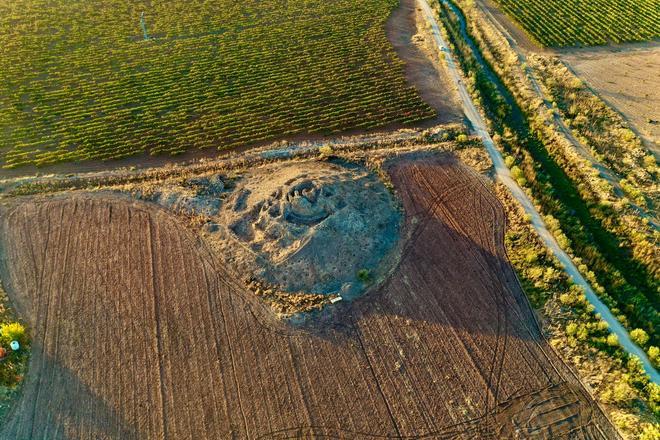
139, 332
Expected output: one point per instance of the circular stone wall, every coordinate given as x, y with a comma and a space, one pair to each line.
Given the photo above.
310, 226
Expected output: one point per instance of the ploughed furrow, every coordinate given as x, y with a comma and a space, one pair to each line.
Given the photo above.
88, 367
140, 332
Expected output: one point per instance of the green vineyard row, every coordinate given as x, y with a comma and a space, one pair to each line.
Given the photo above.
558, 23
79, 82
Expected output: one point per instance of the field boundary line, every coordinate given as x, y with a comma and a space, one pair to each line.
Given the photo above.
157, 328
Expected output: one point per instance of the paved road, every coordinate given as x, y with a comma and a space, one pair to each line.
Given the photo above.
505, 177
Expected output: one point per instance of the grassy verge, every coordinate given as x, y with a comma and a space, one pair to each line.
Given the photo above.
597, 127
582, 226
13, 364
617, 382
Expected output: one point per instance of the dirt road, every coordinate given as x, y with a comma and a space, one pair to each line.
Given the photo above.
606, 173
504, 175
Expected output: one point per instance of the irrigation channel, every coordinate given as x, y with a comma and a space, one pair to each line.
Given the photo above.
504, 175
605, 172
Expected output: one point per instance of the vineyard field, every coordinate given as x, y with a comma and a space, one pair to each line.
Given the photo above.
78, 81
561, 23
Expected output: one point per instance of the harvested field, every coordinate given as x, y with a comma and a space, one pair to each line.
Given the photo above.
627, 79
140, 332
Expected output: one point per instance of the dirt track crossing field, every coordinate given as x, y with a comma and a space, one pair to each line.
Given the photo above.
139, 332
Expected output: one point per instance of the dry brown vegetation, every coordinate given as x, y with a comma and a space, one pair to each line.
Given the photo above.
141, 332
627, 79
576, 333
601, 129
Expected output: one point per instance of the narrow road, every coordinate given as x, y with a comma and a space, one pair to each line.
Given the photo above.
605, 172
504, 175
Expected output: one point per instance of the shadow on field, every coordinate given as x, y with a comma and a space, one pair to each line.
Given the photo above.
62, 406
169, 344
453, 270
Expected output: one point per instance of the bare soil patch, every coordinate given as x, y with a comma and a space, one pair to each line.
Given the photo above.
309, 226
627, 79
316, 229
141, 332
425, 70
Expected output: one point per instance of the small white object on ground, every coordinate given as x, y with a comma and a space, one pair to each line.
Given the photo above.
14, 345
336, 299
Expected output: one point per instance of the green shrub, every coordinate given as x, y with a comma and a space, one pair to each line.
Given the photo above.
364, 275
651, 432
13, 331
11, 367
654, 355
639, 336
654, 397
612, 340
619, 393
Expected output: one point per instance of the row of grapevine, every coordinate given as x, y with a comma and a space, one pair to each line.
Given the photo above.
558, 23
79, 82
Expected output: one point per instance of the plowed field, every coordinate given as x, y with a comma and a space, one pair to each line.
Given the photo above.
139, 332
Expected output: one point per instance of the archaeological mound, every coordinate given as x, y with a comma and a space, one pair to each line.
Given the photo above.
315, 226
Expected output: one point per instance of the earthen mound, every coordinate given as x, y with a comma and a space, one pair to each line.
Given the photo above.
311, 226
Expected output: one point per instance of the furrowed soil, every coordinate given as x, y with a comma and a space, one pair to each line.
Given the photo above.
140, 332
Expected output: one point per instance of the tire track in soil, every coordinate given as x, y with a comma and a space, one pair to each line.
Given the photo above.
451, 315
378, 385
501, 326
156, 311
498, 351
46, 328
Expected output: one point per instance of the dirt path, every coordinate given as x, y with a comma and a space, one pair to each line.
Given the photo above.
140, 332
414, 45
504, 175
512, 28
606, 173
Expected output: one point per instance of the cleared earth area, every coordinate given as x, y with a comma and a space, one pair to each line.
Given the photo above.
628, 80
141, 332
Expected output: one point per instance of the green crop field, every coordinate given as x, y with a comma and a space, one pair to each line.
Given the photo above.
78, 81
559, 23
